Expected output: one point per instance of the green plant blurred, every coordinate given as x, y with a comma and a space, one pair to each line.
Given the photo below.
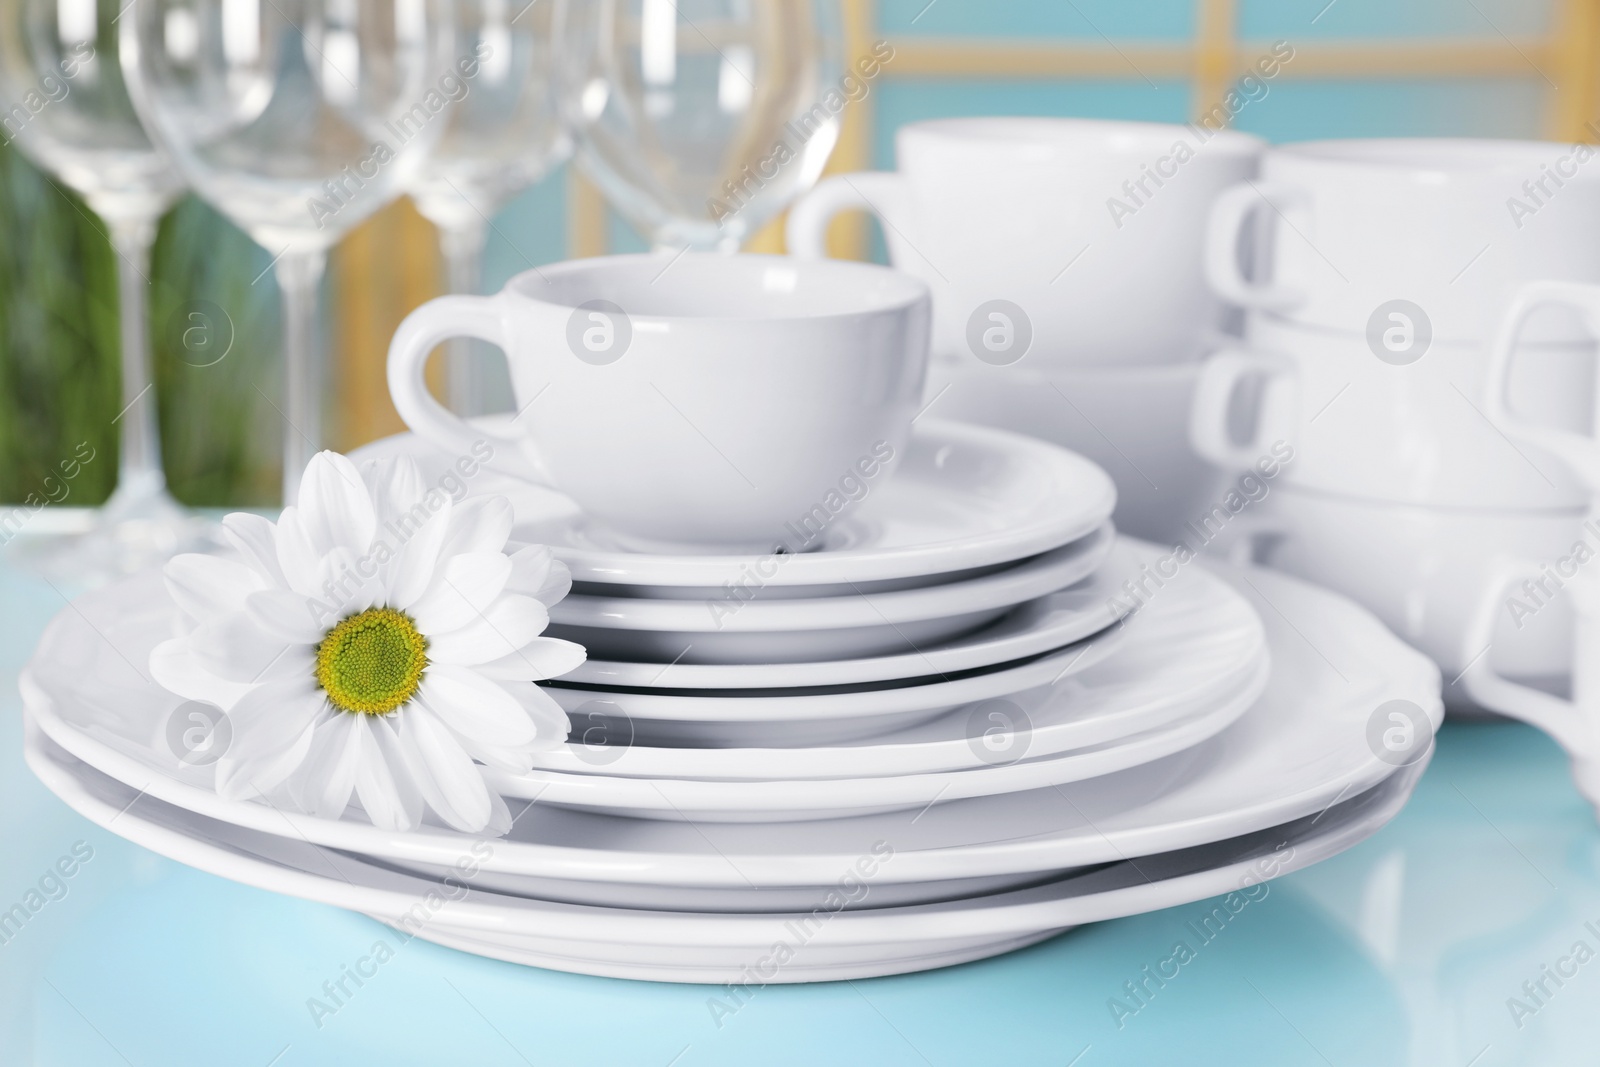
59, 374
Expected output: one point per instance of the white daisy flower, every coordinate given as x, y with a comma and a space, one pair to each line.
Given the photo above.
376, 641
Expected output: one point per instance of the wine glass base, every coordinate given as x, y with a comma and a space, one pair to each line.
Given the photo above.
129, 534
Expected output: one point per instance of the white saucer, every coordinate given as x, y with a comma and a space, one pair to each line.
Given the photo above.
963, 497
824, 941
1191, 651
1198, 633
1045, 624
1175, 664
749, 628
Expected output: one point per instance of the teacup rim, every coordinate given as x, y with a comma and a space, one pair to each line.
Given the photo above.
1388, 155
914, 290
1142, 136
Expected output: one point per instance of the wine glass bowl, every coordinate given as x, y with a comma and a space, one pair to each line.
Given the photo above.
505, 132
66, 106
296, 119
700, 119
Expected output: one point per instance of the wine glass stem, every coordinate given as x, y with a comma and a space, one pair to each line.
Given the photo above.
299, 274
463, 263
139, 472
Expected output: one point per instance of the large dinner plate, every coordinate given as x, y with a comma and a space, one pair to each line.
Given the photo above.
841, 934
1303, 745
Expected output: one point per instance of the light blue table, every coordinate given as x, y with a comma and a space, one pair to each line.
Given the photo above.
1405, 950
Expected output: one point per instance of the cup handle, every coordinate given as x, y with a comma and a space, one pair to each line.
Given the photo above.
1215, 387
1228, 214
883, 193
1557, 717
1580, 452
430, 325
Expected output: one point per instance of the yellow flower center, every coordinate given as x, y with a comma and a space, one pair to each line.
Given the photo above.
372, 662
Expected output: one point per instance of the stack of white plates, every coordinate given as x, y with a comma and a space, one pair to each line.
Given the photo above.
938, 737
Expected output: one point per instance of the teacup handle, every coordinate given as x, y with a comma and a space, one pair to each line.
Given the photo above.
1228, 214
1215, 386
883, 193
1561, 719
1580, 452
1240, 541
430, 325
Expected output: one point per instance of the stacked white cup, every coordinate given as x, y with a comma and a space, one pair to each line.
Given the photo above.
1064, 258
1381, 269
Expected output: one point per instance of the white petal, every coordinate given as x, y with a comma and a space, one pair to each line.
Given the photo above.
387, 794
235, 648
420, 534
446, 776
479, 524
173, 666
499, 823
298, 558
335, 505
287, 615
475, 707
541, 658
349, 584
504, 628
322, 785
537, 573
395, 484
206, 587
509, 760
550, 721
463, 587
246, 777
252, 536
274, 716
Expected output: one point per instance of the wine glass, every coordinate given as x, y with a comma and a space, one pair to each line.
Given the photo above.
504, 134
700, 120
66, 108
296, 119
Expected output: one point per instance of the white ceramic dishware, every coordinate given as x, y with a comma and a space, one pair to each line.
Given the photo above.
1076, 240
1574, 441
1140, 690
1420, 570
1439, 230
963, 497
1526, 585
1410, 433
293, 142
689, 403
1303, 746
1131, 421
824, 939
753, 629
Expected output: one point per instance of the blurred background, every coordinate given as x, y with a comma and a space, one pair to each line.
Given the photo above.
1480, 68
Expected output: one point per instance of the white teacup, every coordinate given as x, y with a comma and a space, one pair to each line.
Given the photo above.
1423, 571
692, 403
1130, 420
1365, 422
1518, 591
1437, 230
1074, 239
1531, 584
